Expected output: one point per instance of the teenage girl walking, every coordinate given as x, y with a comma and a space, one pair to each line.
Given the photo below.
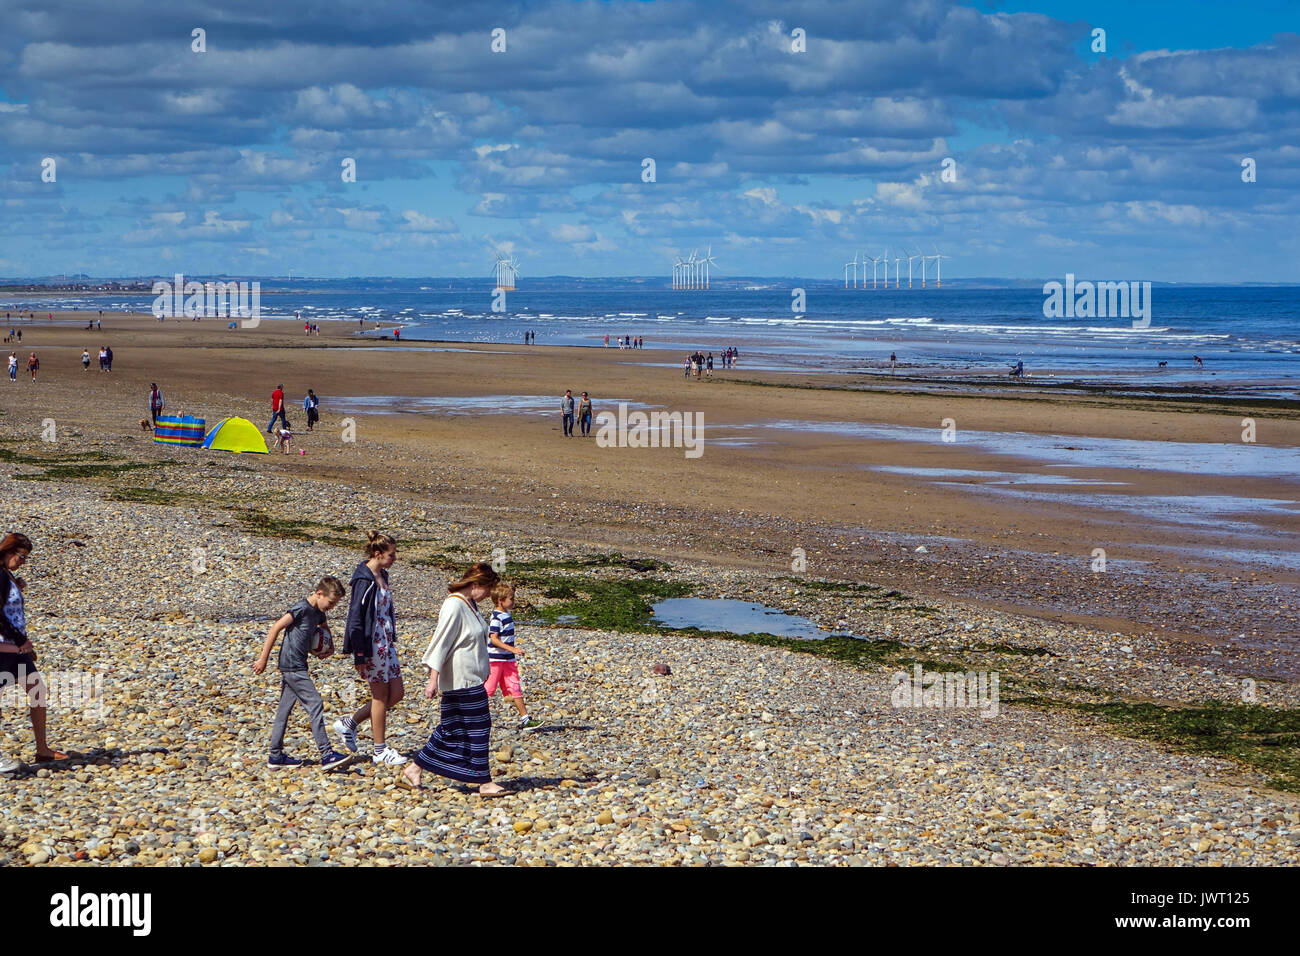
371, 639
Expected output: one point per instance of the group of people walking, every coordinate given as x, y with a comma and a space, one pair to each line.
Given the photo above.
628, 341
697, 363
579, 410
467, 660
310, 406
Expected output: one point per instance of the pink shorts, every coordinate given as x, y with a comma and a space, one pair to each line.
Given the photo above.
506, 675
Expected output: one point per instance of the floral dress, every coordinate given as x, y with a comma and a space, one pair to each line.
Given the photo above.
382, 664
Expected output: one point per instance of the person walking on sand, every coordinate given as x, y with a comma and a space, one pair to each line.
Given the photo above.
17, 653
85, 360
277, 409
457, 658
13, 366
33, 364
566, 409
156, 402
103, 359
108, 358
371, 639
606, 340
311, 405
584, 414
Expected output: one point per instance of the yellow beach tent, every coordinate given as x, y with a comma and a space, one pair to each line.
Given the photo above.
235, 434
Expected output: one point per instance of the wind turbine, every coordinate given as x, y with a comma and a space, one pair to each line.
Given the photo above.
910, 260
924, 259
707, 261
846, 275
938, 268
865, 259
898, 269
694, 263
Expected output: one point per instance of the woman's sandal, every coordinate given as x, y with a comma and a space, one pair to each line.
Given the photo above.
496, 793
50, 757
406, 783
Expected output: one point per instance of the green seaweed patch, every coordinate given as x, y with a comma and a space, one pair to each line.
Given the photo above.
1265, 738
82, 471
148, 495
259, 522
624, 605
1013, 649
839, 587
611, 561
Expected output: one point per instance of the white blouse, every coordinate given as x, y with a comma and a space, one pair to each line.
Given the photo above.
458, 651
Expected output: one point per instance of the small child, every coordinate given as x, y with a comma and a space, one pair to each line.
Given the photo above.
299, 625
502, 653
285, 439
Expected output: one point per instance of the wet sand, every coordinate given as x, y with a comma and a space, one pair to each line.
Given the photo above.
1177, 543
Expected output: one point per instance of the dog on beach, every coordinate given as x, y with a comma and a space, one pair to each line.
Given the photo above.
1163, 364
145, 426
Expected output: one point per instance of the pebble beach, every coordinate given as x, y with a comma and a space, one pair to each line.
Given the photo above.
163, 579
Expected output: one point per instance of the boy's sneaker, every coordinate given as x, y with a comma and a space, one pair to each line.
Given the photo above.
528, 723
390, 757
349, 734
282, 761
329, 761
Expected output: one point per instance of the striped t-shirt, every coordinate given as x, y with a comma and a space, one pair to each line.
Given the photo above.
502, 627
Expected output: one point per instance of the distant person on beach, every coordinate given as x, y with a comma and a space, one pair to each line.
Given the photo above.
686, 367
108, 358
504, 668
13, 366
1018, 370
584, 414
566, 410
371, 639
277, 409
285, 438
457, 658
99, 325
893, 360
606, 340
299, 626
709, 366
1195, 358
85, 360
156, 403
17, 653
33, 365
311, 405
103, 359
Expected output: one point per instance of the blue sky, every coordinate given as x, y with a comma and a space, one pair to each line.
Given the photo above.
1122, 164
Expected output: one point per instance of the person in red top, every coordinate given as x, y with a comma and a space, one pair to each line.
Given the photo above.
277, 409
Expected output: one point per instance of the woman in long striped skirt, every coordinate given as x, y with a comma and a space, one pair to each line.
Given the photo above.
458, 664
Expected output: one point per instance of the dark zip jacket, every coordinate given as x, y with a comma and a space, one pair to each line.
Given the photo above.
361, 614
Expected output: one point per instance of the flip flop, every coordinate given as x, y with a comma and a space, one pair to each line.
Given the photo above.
496, 793
50, 757
404, 782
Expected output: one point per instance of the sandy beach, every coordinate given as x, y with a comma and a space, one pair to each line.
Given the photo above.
748, 751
